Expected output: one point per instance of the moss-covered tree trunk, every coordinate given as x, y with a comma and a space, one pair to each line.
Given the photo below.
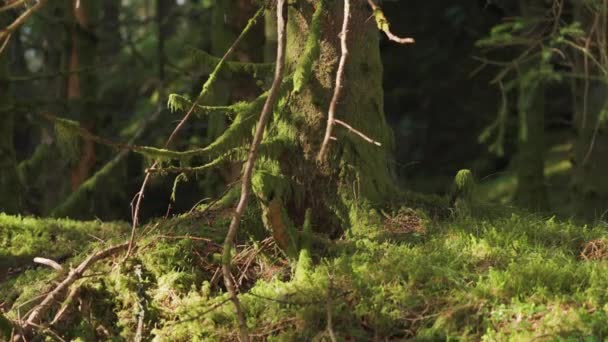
10, 185
356, 173
531, 190
590, 150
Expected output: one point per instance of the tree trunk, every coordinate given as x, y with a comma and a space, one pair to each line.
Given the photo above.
356, 173
82, 85
10, 184
530, 160
590, 165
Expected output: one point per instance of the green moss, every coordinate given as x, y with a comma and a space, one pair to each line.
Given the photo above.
303, 70
469, 278
23, 238
257, 70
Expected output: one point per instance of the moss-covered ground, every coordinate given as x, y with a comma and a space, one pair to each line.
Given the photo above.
512, 276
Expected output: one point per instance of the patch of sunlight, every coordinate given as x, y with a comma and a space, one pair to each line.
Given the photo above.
499, 189
557, 167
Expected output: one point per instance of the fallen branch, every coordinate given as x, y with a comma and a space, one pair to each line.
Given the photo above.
66, 303
248, 172
75, 274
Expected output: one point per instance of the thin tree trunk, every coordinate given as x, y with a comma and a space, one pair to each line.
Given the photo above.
530, 160
10, 184
590, 164
82, 85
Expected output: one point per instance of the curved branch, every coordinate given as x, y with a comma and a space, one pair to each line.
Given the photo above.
248, 172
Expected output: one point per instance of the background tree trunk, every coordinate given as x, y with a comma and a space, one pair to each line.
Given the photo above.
82, 84
530, 160
590, 150
10, 184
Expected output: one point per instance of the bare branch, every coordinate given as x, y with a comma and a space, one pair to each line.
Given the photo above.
248, 171
6, 32
339, 80
383, 25
363, 136
49, 263
12, 5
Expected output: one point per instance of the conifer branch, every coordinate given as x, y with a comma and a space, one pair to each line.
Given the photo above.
77, 196
248, 172
252, 68
136, 202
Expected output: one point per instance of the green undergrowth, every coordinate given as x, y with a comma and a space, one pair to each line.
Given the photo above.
23, 238
514, 276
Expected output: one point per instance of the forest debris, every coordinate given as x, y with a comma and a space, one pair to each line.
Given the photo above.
595, 250
75, 274
405, 221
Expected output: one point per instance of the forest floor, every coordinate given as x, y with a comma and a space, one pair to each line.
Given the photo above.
513, 276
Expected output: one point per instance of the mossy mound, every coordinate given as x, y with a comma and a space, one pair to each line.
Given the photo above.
517, 276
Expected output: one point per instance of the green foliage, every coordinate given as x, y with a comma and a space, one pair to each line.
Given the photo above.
257, 70
6, 328
28, 237
517, 276
179, 103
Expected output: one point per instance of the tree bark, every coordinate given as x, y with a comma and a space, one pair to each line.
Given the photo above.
356, 173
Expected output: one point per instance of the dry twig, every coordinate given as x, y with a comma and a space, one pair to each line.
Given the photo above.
5, 34
339, 80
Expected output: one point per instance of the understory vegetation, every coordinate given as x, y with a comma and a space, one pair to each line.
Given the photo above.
303, 170
514, 276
